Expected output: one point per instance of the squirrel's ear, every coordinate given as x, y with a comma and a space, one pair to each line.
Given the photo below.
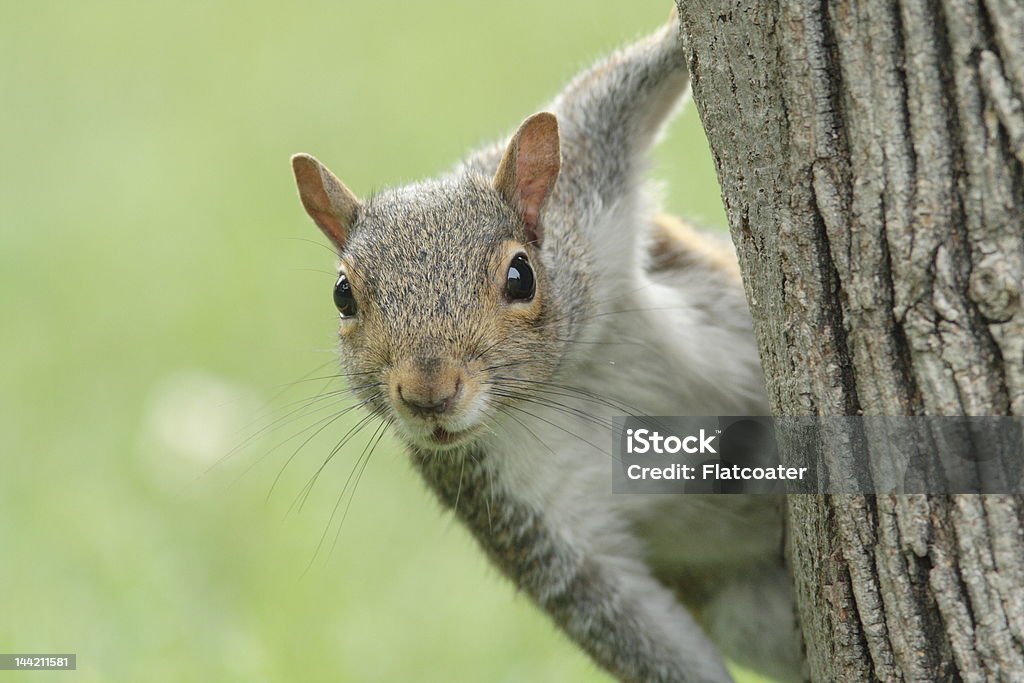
330, 204
529, 169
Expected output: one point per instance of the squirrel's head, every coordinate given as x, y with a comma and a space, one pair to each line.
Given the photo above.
444, 290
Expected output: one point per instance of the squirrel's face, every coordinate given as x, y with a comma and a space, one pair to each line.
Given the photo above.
444, 310
443, 292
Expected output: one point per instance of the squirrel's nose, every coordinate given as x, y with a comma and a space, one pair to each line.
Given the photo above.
430, 399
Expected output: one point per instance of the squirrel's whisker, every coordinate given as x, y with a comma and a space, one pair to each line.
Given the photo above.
288, 418
279, 424
550, 403
319, 244
513, 406
504, 408
581, 393
374, 441
327, 424
341, 496
303, 495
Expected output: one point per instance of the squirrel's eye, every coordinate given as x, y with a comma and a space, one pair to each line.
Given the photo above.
343, 298
520, 283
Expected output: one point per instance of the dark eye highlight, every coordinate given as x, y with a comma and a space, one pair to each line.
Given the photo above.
343, 297
520, 284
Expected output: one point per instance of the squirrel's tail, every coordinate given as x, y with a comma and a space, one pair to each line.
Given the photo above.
612, 113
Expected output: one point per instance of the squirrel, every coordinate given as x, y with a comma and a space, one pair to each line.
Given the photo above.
504, 312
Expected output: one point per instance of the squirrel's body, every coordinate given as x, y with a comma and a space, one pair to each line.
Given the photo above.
546, 473
506, 318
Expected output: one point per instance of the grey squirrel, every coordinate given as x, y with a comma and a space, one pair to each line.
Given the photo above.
503, 313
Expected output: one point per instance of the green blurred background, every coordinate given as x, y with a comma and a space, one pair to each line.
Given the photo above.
161, 284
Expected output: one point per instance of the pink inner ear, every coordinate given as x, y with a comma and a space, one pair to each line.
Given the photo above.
314, 191
330, 226
318, 205
536, 171
531, 197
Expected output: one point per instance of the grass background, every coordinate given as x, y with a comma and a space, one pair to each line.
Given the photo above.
160, 282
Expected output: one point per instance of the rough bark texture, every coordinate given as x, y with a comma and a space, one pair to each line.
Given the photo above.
871, 157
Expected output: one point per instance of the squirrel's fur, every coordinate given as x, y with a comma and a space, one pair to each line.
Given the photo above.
506, 404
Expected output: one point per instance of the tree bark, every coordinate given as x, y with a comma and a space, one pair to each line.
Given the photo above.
871, 159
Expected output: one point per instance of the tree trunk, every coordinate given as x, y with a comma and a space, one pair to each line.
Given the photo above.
871, 158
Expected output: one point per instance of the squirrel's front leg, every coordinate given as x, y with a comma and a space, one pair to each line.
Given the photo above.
609, 605
627, 621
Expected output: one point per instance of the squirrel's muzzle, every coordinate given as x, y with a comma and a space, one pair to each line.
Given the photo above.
427, 389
